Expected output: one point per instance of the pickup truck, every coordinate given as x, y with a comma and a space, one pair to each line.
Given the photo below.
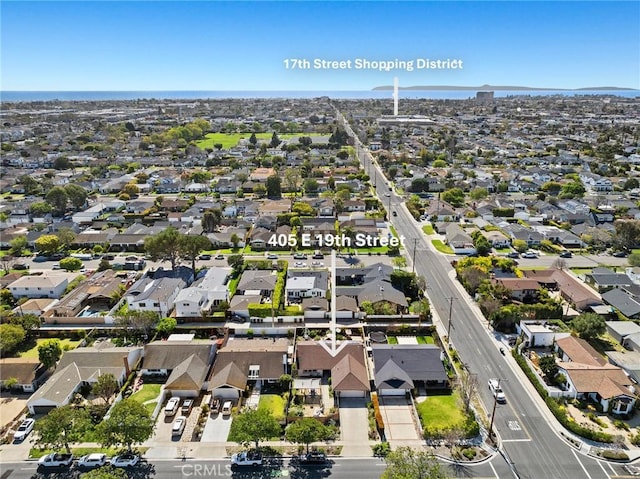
246, 458
56, 459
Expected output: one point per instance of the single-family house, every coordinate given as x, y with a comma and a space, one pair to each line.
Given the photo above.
624, 301
603, 279
260, 282
459, 240
400, 368
204, 294
40, 286
83, 366
244, 360
619, 330
26, 373
538, 333
306, 284
154, 294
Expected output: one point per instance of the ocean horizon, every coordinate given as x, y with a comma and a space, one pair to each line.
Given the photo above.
32, 96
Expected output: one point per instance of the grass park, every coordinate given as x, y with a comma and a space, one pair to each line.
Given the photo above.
229, 140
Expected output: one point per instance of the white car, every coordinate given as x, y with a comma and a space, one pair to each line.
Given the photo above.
23, 431
91, 461
530, 255
496, 390
128, 459
172, 406
178, 426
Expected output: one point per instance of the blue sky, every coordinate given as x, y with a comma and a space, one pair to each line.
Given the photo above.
209, 45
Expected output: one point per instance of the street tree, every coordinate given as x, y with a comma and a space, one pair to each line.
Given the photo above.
77, 195
105, 387
57, 197
408, 463
71, 264
253, 426
165, 246
235, 261
48, 244
589, 325
235, 240
129, 423
17, 245
468, 386
307, 430
49, 352
191, 246
105, 472
274, 189
131, 189
62, 426
520, 245
260, 190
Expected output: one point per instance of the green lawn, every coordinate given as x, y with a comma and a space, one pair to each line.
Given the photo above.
150, 407
37, 453
441, 247
64, 344
440, 411
428, 229
392, 340
146, 393
233, 285
425, 340
273, 402
229, 140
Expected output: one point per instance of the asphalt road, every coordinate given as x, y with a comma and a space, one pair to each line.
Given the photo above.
339, 468
531, 448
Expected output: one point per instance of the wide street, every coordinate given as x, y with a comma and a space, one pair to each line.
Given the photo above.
529, 444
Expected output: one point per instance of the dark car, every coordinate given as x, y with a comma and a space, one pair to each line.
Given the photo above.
40, 259
313, 458
566, 254
620, 254
513, 254
205, 256
20, 266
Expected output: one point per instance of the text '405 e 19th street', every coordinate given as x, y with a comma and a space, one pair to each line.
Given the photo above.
360, 240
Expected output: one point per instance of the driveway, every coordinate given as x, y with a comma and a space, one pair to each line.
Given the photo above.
11, 406
397, 414
354, 425
216, 428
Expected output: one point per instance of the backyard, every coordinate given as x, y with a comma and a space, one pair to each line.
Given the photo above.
65, 344
146, 395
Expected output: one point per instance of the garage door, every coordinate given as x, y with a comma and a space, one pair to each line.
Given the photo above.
42, 409
392, 392
352, 394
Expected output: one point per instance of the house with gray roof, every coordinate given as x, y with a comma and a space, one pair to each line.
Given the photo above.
156, 295
399, 368
624, 301
261, 282
603, 279
79, 367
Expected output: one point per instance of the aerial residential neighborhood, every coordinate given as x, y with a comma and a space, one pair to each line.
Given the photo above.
210, 265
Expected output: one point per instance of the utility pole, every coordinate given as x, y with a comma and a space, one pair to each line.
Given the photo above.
413, 261
493, 413
449, 324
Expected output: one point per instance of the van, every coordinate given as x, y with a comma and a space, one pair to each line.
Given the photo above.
172, 406
226, 408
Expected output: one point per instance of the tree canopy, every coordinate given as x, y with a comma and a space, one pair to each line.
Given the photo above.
254, 426
62, 426
49, 352
408, 463
307, 430
129, 423
589, 325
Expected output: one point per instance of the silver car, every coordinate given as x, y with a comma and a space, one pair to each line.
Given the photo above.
23, 431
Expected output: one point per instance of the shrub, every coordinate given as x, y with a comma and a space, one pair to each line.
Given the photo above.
620, 424
381, 449
469, 453
615, 455
635, 439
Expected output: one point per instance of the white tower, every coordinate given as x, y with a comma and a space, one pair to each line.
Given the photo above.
395, 96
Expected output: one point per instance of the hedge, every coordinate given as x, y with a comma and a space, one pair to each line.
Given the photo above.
558, 411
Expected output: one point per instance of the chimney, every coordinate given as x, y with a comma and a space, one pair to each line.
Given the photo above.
127, 370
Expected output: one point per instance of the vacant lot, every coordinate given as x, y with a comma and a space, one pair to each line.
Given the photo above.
229, 140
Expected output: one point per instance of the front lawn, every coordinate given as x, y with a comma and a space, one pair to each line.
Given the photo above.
273, 402
37, 453
440, 412
441, 247
425, 340
65, 344
146, 393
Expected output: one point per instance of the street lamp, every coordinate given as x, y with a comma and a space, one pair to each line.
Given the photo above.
413, 261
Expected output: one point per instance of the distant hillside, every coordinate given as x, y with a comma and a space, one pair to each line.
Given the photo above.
496, 88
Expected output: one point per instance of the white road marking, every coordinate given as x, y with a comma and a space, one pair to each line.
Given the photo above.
604, 470
517, 440
494, 471
581, 465
613, 471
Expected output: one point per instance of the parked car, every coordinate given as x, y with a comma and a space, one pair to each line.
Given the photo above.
204, 256
128, 459
513, 254
172, 406
91, 461
566, 254
20, 266
619, 254
178, 426
496, 390
272, 256
318, 255
313, 458
187, 405
299, 256
530, 255
215, 405
24, 429
226, 408
246, 458
394, 213
55, 459
220, 256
